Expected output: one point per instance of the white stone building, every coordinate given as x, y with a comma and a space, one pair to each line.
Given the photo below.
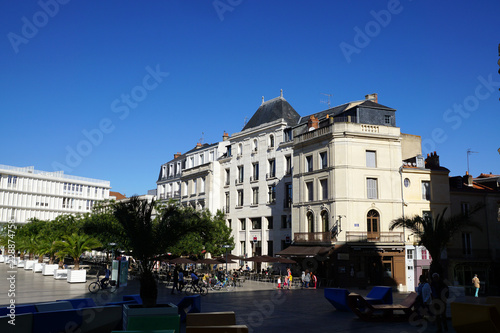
27, 193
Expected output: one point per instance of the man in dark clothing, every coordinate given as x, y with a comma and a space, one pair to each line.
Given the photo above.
440, 293
175, 281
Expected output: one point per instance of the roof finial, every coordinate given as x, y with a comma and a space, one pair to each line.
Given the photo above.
262, 100
281, 95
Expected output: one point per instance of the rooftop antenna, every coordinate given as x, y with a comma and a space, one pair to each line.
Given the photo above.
469, 151
327, 102
202, 137
245, 121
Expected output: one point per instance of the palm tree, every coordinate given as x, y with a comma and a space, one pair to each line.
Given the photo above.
149, 236
75, 245
436, 233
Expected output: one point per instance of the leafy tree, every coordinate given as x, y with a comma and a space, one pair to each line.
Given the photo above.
26, 236
75, 245
435, 234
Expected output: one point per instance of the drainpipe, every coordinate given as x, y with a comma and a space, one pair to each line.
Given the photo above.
402, 202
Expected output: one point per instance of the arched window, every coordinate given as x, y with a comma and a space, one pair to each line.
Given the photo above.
271, 141
373, 225
240, 149
324, 221
310, 222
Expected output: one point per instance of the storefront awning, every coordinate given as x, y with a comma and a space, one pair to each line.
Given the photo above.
304, 251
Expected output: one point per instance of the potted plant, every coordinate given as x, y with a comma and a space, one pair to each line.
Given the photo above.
74, 246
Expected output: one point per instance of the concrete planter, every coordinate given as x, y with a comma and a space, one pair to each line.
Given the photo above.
49, 269
77, 276
38, 267
28, 265
2, 258
60, 274
20, 263
133, 310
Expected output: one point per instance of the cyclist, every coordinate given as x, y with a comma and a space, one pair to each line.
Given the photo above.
104, 281
194, 281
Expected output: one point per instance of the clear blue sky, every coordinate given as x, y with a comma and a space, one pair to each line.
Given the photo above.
67, 69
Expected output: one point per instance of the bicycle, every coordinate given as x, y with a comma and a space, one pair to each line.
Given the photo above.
200, 289
99, 284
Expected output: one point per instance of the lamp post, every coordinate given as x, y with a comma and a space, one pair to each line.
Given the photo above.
226, 247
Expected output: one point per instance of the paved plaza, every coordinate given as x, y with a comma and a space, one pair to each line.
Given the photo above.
259, 305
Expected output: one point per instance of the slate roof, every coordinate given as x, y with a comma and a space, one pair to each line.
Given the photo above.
272, 110
337, 110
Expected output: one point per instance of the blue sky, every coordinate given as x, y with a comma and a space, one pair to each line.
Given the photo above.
112, 89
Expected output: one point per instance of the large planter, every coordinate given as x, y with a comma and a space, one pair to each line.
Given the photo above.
77, 276
60, 274
38, 267
28, 265
2, 258
20, 263
135, 310
49, 269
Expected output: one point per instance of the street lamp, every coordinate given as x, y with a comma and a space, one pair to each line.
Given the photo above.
226, 247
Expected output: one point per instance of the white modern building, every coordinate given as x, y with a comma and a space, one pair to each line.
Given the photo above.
26, 193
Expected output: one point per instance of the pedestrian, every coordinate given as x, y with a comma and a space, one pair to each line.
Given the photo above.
477, 284
175, 280
440, 293
279, 282
307, 279
314, 280
302, 279
181, 280
424, 296
290, 277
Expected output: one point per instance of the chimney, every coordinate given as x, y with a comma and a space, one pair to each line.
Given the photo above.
432, 161
313, 122
198, 145
468, 179
225, 136
177, 155
373, 97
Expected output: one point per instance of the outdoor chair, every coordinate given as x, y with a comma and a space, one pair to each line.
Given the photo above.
338, 298
381, 312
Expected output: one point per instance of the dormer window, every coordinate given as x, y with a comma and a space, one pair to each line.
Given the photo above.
271, 141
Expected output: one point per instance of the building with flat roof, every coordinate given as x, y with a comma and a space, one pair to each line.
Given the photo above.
26, 193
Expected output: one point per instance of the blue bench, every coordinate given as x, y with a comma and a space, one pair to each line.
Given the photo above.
379, 295
189, 304
19, 309
53, 306
338, 298
78, 303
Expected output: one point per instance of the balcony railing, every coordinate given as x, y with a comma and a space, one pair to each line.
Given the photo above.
313, 237
383, 237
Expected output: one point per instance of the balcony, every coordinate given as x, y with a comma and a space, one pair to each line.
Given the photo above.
313, 237
381, 237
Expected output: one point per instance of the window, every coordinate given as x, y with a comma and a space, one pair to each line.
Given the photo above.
323, 183
229, 224
255, 171
191, 159
185, 191
243, 224
324, 160
288, 195
324, 221
270, 222
240, 174
371, 159
228, 202
371, 188
309, 191
424, 254
407, 182
228, 176
270, 248
284, 222
271, 141
243, 248
466, 243
255, 145
228, 151
272, 194
240, 198
195, 183
310, 222
409, 254
287, 134
257, 223
240, 149
426, 190
202, 185
309, 163
202, 159
464, 208
272, 168
255, 196
288, 165
387, 119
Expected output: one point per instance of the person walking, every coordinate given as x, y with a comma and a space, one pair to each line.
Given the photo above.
181, 280
307, 279
477, 284
424, 296
175, 280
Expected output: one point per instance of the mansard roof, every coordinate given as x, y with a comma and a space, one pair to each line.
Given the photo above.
272, 110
